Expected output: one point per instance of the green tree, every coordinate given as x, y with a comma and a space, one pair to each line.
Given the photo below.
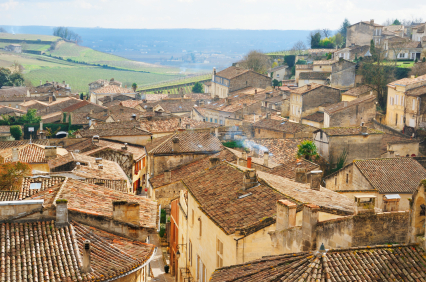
275, 82
307, 150
16, 131
197, 88
4, 77
16, 79
134, 86
315, 40
372, 48
396, 22
31, 117
256, 61
81, 96
12, 175
343, 28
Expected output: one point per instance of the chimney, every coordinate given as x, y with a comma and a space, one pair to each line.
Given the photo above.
86, 268
249, 162
250, 179
255, 91
125, 147
214, 162
214, 71
216, 132
61, 213
286, 214
90, 122
167, 176
308, 86
316, 179
371, 22
365, 203
364, 130
100, 166
175, 144
266, 158
309, 224
78, 165
126, 212
244, 155
180, 122
133, 116
15, 154
98, 160
301, 175
50, 152
50, 99
345, 104
391, 154
41, 83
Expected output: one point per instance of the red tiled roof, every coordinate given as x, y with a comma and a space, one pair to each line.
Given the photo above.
280, 125
373, 263
230, 106
17, 143
80, 105
356, 130
393, 175
113, 89
115, 131
334, 108
170, 125
288, 169
231, 72
30, 153
130, 103
280, 150
39, 251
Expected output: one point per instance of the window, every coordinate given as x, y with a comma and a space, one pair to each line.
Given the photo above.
219, 254
215, 120
211, 120
190, 252
221, 121
192, 218
201, 227
201, 271
414, 104
335, 181
347, 177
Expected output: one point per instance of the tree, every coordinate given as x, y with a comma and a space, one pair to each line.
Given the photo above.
16, 79
314, 39
256, 61
67, 34
12, 175
30, 117
307, 150
4, 77
418, 69
16, 131
134, 86
396, 22
339, 39
81, 96
197, 88
275, 82
326, 32
343, 28
299, 47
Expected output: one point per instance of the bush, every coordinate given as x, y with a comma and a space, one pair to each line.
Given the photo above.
163, 216
198, 88
16, 131
233, 144
162, 231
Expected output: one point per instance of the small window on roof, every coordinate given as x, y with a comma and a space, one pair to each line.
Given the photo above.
35, 185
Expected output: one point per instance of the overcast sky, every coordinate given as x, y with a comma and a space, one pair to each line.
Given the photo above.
225, 14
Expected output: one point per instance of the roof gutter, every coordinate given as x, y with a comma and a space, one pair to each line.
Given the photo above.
133, 270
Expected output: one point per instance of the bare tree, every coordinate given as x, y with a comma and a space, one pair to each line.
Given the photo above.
256, 61
388, 22
326, 32
418, 69
299, 47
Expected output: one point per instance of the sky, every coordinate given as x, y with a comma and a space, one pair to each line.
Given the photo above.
203, 14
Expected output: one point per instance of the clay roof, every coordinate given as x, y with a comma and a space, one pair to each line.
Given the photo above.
155, 97
187, 170
170, 125
230, 106
314, 75
288, 169
306, 88
389, 139
17, 143
284, 126
341, 131
325, 62
318, 117
356, 91
408, 81
278, 68
231, 72
96, 200
113, 89
30, 153
280, 150
26, 191
259, 161
57, 255
130, 103
197, 96
334, 108
14, 92
80, 105
113, 131
189, 142
175, 105
52, 117
138, 152
416, 91
372, 263
114, 97
393, 175
6, 110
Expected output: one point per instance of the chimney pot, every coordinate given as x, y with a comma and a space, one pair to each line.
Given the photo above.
308, 87
175, 144
286, 214
301, 175
78, 165
250, 179
86, 268
266, 158
371, 21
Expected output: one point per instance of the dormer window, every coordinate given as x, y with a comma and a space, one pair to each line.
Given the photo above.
35, 186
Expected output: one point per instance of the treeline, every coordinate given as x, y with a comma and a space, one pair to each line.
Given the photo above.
323, 39
65, 33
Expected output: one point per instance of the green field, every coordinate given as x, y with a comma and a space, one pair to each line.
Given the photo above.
178, 82
29, 37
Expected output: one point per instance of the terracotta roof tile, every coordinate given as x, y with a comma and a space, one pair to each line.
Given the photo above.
318, 117
115, 129
175, 105
17, 143
230, 106
113, 89
80, 105
334, 108
39, 251
389, 139
393, 175
356, 91
52, 117
356, 130
280, 150
231, 72
285, 126
170, 125
408, 81
288, 169
130, 103
306, 88
416, 91
374, 263
314, 75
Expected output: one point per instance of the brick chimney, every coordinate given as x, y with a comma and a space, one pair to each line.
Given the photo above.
249, 162
50, 152
316, 176
15, 154
214, 162
86, 268
301, 175
250, 179
266, 158
167, 176
61, 213
309, 224
126, 212
286, 214
372, 22
175, 144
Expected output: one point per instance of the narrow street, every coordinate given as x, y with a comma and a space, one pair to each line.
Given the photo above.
157, 264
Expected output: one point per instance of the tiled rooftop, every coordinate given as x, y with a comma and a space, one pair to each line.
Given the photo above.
280, 150
356, 130
29, 153
231, 72
334, 108
113, 89
393, 175
416, 91
259, 161
80, 105
318, 117
285, 126
17, 143
230, 106
138, 152
96, 200
356, 91
38, 251
408, 81
52, 117
130, 103
170, 125
175, 105
314, 75
372, 263
114, 130
389, 139
187, 170
306, 88
288, 169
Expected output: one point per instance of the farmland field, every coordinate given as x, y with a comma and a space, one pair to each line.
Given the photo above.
178, 82
32, 37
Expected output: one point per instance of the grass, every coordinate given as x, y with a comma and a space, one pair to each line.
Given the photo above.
178, 83
28, 37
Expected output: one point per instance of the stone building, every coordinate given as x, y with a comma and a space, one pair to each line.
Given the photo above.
352, 52
358, 92
353, 113
16, 48
307, 99
406, 104
343, 74
363, 32
391, 180
234, 229
357, 142
280, 72
235, 78
398, 48
314, 77
271, 128
110, 90
418, 32
301, 69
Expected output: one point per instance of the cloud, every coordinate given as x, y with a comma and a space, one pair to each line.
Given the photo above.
11, 4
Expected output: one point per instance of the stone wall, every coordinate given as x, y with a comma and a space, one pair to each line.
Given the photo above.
164, 194
124, 159
317, 97
169, 162
359, 34
354, 115
343, 75
250, 78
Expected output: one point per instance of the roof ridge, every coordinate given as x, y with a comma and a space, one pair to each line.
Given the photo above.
59, 191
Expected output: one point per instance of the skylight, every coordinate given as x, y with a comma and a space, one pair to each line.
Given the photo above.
35, 185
